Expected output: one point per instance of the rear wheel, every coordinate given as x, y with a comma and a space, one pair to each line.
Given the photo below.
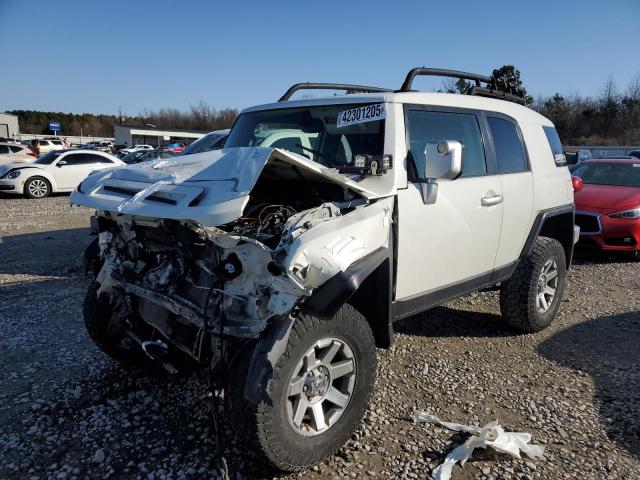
316, 394
530, 299
37, 187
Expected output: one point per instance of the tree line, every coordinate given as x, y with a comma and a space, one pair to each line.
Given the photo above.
612, 117
200, 116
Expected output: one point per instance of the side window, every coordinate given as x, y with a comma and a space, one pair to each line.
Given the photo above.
291, 144
509, 149
74, 159
4, 149
556, 147
90, 158
82, 159
433, 127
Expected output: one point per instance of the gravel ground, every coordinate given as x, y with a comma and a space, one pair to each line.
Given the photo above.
67, 411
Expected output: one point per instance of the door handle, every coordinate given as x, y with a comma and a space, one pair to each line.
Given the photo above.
490, 201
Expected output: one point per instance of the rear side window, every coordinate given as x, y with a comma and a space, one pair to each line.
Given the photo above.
556, 146
433, 127
509, 148
4, 149
16, 149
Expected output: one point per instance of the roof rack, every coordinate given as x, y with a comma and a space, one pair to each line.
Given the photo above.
331, 86
503, 88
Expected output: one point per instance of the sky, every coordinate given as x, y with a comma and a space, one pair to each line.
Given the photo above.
98, 56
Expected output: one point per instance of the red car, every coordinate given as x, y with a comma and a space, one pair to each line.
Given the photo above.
608, 204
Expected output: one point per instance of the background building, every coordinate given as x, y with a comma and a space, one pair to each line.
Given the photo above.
154, 136
9, 125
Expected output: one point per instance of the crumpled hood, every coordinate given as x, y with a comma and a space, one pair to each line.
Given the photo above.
210, 188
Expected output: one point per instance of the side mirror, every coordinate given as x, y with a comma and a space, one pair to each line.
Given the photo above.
61, 163
443, 161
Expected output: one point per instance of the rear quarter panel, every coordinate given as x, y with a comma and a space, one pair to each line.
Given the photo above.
551, 184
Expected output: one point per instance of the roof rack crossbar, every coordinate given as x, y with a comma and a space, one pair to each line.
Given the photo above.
503, 88
331, 86
440, 72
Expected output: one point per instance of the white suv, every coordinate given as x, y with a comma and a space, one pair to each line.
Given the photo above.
281, 269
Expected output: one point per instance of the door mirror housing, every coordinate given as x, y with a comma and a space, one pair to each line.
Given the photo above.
61, 163
443, 162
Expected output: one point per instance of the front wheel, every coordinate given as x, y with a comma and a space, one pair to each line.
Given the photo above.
317, 393
37, 187
530, 299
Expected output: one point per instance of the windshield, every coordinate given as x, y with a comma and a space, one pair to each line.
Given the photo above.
313, 132
609, 173
48, 158
211, 141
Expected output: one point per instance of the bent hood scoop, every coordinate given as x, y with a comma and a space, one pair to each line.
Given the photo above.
210, 188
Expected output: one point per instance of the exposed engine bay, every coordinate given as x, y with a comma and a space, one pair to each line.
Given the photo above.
167, 280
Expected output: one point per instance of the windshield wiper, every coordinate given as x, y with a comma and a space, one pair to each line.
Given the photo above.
320, 154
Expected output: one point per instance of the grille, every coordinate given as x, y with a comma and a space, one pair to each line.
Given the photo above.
587, 223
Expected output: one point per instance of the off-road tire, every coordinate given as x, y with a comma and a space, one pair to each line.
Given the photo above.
45, 183
265, 425
97, 314
518, 294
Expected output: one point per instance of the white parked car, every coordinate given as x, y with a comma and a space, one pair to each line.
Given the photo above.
281, 261
48, 145
56, 171
15, 152
136, 148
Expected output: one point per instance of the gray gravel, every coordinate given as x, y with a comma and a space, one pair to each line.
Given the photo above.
67, 411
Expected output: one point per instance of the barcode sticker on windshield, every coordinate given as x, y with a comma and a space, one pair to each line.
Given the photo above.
368, 113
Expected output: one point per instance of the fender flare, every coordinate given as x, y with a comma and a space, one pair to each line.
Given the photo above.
539, 225
327, 299
268, 349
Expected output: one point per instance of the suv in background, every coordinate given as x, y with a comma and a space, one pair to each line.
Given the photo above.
211, 141
281, 269
46, 145
577, 155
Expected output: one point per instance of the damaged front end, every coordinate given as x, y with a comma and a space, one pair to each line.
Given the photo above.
177, 278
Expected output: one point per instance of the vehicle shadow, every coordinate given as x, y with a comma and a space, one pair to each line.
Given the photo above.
450, 322
57, 252
586, 256
608, 348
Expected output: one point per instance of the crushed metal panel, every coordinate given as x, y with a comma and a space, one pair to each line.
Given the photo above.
217, 184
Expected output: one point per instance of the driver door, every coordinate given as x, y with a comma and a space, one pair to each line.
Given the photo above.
446, 247
76, 169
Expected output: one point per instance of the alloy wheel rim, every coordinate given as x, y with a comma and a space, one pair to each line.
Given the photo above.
38, 188
547, 286
321, 387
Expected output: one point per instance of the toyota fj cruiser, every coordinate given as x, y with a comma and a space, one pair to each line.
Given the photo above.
281, 269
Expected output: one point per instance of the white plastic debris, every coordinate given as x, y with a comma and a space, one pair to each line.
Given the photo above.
491, 435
